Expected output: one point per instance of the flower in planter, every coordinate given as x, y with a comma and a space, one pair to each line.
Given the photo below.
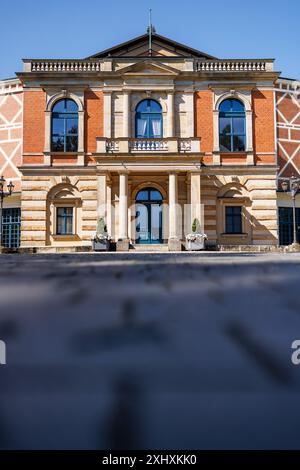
196, 236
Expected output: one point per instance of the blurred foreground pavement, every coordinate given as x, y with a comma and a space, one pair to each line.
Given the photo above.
153, 351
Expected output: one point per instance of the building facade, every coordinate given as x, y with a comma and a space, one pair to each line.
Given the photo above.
149, 137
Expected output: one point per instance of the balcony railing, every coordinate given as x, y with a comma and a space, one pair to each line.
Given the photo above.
84, 66
107, 65
147, 146
234, 65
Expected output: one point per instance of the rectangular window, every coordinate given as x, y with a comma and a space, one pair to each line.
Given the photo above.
233, 219
64, 221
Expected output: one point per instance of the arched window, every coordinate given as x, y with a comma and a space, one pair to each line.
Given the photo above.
232, 126
64, 128
148, 119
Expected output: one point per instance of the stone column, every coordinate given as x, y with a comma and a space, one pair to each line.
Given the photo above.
123, 241
216, 148
249, 137
174, 242
107, 114
126, 113
102, 196
170, 116
195, 199
109, 208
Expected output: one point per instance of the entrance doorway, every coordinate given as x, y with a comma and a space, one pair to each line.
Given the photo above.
148, 205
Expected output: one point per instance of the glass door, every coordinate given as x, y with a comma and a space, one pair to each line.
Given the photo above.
148, 216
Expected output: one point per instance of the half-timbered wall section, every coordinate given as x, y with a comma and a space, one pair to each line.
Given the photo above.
288, 152
288, 127
11, 123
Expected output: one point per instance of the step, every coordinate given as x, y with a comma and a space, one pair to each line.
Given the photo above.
159, 248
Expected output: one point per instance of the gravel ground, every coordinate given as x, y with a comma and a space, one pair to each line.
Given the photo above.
153, 351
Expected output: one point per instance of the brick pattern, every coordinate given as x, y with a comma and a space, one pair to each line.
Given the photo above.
11, 124
288, 127
263, 126
34, 121
93, 118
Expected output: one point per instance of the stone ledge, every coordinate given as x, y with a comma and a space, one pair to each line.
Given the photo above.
251, 248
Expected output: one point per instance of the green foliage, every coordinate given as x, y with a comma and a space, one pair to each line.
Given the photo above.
195, 226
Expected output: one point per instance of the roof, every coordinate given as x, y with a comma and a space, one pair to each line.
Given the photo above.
161, 46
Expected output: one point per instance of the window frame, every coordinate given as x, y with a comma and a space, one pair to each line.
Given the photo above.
148, 117
66, 217
232, 115
233, 217
64, 116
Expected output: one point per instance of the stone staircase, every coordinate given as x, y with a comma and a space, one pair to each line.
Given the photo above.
159, 248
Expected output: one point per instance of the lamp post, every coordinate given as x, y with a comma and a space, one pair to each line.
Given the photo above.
4, 194
293, 184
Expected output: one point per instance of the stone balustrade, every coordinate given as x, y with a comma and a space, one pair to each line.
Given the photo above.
65, 66
233, 65
96, 65
135, 146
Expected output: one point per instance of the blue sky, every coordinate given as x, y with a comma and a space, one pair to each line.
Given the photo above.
75, 29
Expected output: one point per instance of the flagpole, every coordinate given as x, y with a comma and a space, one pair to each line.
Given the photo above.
150, 32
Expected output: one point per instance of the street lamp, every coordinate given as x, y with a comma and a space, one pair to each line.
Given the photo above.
3, 194
292, 184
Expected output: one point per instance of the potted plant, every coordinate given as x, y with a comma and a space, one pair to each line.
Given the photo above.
195, 240
101, 240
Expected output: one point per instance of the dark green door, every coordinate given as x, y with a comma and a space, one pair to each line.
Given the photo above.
149, 216
286, 225
11, 223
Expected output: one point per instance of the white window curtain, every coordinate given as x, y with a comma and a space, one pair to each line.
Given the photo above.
156, 127
141, 127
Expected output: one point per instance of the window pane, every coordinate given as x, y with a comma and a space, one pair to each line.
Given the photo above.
57, 143
69, 211
238, 143
233, 219
237, 106
238, 125
69, 225
71, 143
58, 126
142, 196
72, 126
142, 107
141, 127
155, 195
225, 106
155, 127
154, 106
71, 106
60, 226
225, 143
225, 125
147, 106
59, 107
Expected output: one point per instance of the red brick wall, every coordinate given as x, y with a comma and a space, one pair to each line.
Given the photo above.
263, 125
93, 118
34, 121
204, 119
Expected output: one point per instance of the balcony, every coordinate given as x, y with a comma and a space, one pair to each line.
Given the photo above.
124, 145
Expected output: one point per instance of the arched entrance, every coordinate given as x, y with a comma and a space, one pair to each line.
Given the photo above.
148, 205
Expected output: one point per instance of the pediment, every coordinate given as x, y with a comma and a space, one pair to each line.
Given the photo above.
161, 47
149, 68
